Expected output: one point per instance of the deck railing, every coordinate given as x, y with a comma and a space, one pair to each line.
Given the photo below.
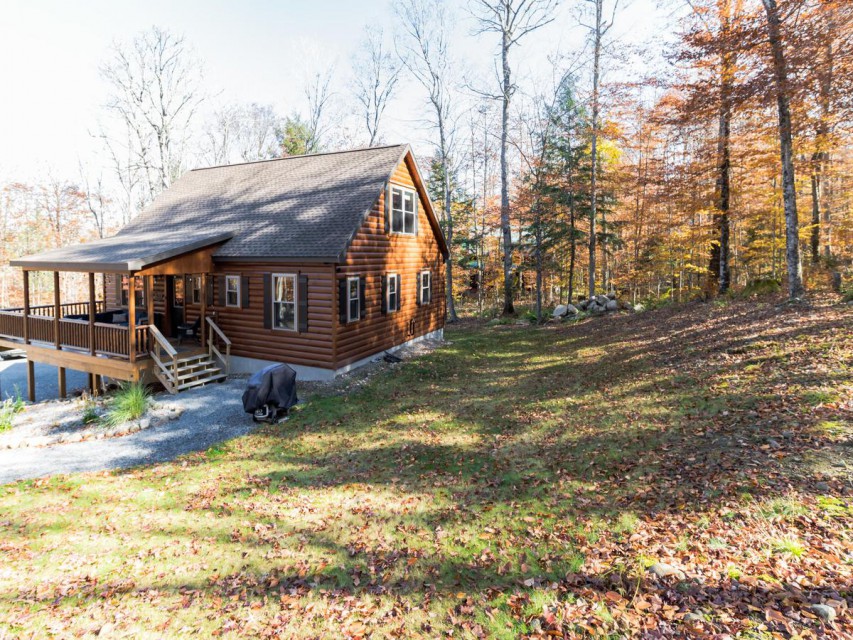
66, 309
110, 339
217, 342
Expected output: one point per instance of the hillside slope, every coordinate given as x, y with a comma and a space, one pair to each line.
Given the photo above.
667, 473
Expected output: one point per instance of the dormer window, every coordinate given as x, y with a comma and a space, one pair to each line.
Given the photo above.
404, 210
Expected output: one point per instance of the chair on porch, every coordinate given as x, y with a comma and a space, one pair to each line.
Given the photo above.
190, 331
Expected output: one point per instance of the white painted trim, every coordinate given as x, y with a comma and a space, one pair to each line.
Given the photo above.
403, 191
241, 364
238, 292
273, 302
357, 280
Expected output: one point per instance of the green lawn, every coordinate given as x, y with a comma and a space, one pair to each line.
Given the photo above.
518, 481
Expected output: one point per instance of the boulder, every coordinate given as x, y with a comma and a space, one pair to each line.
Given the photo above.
824, 612
602, 300
571, 310
663, 570
611, 296
639, 308
596, 309
612, 305
583, 305
560, 311
626, 305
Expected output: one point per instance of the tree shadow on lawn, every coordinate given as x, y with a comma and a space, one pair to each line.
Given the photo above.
530, 451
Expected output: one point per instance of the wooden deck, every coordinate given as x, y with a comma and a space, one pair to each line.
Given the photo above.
97, 348
80, 360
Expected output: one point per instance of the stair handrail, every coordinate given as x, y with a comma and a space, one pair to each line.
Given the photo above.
158, 344
212, 349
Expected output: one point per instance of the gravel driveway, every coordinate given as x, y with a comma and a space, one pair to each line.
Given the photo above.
212, 413
13, 377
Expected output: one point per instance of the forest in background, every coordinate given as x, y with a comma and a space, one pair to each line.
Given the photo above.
728, 167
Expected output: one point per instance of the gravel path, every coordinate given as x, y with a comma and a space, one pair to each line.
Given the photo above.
211, 414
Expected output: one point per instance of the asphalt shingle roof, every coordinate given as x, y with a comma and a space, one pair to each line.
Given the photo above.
296, 207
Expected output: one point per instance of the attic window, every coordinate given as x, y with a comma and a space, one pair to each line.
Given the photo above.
404, 211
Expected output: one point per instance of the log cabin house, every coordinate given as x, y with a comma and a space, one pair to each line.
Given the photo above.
320, 261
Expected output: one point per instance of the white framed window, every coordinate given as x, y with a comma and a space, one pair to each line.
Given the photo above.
425, 287
196, 289
353, 299
232, 291
392, 300
284, 301
404, 210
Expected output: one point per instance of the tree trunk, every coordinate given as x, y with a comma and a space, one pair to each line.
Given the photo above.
719, 265
816, 199
448, 223
786, 150
593, 182
506, 230
538, 268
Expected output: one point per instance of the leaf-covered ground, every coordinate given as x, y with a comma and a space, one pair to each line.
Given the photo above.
519, 481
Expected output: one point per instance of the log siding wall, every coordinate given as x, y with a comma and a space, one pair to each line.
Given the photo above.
245, 326
375, 253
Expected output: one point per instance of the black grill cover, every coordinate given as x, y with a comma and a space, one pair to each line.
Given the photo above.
274, 385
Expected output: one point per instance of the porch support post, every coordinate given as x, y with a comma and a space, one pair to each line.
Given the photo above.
149, 298
26, 307
31, 370
57, 339
92, 349
31, 380
131, 317
56, 310
202, 325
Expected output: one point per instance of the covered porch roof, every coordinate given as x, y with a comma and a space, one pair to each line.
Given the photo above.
127, 253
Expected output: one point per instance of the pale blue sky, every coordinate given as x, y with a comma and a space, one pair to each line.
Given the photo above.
252, 51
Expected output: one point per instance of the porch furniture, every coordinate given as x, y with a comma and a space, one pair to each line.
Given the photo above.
190, 331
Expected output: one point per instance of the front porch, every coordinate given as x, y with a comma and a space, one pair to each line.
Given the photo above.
119, 341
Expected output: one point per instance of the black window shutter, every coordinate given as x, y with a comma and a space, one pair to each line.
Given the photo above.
188, 290
244, 292
209, 292
388, 207
383, 304
220, 283
362, 286
343, 303
399, 293
267, 301
302, 295
418, 291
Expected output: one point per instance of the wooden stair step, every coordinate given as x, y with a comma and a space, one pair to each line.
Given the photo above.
201, 364
192, 358
196, 383
195, 374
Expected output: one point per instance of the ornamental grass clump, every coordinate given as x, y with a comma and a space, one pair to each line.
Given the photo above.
9, 408
130, 402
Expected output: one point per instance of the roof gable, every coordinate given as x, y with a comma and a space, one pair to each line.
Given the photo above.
300, 207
